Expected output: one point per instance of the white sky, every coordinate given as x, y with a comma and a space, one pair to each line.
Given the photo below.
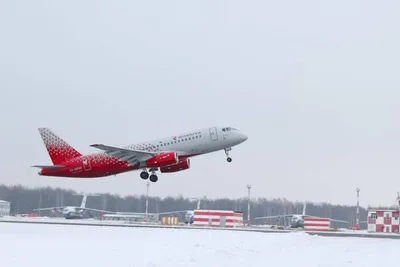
314, 84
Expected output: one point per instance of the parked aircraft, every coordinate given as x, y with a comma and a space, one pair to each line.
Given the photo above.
170, 154
73, 212
187, 215
296, 220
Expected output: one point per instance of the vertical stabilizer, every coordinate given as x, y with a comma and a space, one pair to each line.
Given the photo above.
83, 204
304, 208
59, 150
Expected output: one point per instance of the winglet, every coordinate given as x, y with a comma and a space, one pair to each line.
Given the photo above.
99, 146
94, 145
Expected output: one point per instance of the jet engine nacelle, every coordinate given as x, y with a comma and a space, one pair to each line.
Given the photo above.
162, 160
182, 165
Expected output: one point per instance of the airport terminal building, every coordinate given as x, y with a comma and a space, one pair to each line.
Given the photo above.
4, 208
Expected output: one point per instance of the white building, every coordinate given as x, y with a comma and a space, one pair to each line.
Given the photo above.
4, 208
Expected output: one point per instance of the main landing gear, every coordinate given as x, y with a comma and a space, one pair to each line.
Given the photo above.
145, 175
229, 159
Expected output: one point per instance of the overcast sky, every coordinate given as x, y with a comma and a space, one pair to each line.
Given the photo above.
314, 85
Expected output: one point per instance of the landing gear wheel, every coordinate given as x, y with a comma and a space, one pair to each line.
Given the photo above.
144, 175
229, 159
153, 178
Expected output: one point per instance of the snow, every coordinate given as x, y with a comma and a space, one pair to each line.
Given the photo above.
74, 245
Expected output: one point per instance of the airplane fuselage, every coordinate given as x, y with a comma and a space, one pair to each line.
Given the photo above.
185, 146
297, 221
73, 215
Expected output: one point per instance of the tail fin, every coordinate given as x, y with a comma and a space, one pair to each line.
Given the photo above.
83, 204
304, 208
59, 150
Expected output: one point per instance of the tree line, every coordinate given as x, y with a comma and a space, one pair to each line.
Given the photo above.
24, 200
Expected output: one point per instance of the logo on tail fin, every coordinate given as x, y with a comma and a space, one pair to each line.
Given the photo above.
59, 150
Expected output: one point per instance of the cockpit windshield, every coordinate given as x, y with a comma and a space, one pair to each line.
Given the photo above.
228, 129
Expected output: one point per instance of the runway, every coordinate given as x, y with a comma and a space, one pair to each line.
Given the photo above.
47, 245
99, 223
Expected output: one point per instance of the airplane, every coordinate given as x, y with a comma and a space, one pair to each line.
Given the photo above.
188, 215
296, 220
73, 212
167, 155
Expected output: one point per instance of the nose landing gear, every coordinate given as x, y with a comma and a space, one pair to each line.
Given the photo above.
229, 159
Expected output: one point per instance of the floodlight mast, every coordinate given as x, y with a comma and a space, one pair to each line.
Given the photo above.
248, 203
358, 207
147, 199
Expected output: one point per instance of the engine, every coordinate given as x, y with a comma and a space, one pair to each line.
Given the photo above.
182, 165
161, 160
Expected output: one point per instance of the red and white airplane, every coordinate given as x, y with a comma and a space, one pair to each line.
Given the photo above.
166, 155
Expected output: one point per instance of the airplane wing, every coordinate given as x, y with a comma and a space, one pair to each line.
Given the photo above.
124, 154
104, 211
51, 208
173, 212
334, 220
274, 216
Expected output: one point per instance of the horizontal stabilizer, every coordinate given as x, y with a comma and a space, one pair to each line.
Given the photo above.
54, 167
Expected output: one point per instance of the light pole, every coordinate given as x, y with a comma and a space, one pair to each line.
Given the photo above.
358, 208
147, 198
248, 204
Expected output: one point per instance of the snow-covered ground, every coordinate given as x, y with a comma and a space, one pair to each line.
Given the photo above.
64, 245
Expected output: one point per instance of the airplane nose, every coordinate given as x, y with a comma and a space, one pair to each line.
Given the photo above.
243, 137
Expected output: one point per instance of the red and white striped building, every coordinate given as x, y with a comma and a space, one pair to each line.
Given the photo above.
218, 218
383, 220
317, 224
